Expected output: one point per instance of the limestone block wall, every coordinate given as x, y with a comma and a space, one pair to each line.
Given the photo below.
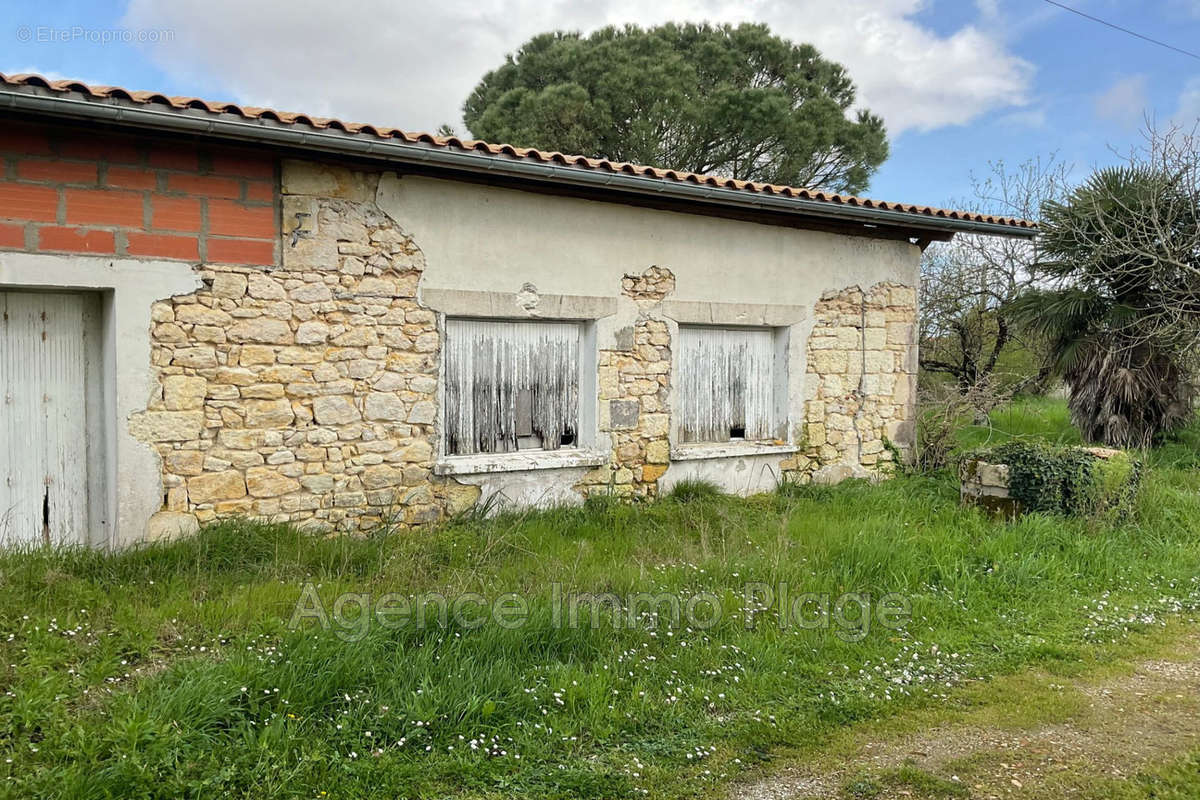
308, 391
634, 391
861, 383
305, 393
296, 375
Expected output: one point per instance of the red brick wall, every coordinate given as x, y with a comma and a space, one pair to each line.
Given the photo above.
75, 191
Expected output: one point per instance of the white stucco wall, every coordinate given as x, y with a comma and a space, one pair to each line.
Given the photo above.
500, 252
537, 488
483, 238
744, 475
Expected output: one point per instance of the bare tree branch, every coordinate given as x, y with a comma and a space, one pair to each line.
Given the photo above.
969, 284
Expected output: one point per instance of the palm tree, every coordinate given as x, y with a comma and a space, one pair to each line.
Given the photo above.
1118, 300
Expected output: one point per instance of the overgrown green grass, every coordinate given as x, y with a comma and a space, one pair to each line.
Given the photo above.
1028, 417
171, 671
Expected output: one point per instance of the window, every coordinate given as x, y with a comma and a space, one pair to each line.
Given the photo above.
511, 386
727, 388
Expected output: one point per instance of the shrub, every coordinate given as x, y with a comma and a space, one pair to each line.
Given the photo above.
1065, 480
944, 410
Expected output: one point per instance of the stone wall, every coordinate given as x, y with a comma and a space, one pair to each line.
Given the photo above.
1015, 478
308, 393
305, 393
861, 384
634, 391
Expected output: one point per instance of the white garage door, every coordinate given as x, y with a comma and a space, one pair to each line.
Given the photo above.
44, 350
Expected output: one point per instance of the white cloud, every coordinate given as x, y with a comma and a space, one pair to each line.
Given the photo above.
1124, 102
411, 64
990, 9
1188, 112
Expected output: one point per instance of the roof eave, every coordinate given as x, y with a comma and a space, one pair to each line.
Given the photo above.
334, 141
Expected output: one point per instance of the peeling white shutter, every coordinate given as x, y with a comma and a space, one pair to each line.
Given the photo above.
510, 385
726, 384
43, 418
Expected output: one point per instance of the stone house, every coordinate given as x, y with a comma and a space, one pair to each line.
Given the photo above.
211, 310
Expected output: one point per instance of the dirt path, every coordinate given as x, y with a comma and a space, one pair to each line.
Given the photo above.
1115, 729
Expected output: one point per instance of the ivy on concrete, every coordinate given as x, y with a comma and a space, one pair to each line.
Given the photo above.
1066, 480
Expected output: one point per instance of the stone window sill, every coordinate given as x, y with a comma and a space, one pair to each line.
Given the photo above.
520, 461
693, 452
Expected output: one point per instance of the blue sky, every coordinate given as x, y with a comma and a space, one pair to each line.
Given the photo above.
1090, 93
958, 82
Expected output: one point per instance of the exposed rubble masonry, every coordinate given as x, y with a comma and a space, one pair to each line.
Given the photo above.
861, 384
305, 393
634, 387
300, 383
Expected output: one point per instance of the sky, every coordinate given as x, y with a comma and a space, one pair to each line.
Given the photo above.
959, 83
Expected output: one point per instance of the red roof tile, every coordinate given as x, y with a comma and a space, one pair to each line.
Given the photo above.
497, 150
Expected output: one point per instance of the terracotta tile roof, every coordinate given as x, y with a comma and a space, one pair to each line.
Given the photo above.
498, 150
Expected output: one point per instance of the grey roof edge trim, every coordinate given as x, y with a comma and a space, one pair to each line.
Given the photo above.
268, 132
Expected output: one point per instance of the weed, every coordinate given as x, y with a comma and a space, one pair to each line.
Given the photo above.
694, 489
170, 670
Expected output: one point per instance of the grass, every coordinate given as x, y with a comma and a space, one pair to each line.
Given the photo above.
1037, 418
171, 670
1175, 781
692, 490
907, 779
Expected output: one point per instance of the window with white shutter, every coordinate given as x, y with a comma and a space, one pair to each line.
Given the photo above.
511, 385
726, 384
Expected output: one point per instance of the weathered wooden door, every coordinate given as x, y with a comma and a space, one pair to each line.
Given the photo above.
44, 350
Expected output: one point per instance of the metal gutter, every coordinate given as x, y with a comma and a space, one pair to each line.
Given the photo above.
296, 135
